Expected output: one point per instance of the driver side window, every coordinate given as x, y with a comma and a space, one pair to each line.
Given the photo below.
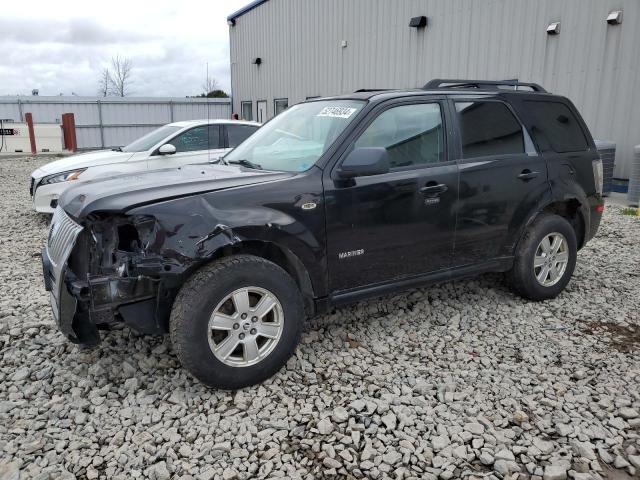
192, 140
412, 134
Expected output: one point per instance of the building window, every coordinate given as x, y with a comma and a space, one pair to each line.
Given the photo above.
247, 110
280, 105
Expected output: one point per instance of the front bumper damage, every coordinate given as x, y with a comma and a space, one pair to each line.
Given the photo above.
84, 301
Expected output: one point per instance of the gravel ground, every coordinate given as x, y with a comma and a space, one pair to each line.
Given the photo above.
463, 380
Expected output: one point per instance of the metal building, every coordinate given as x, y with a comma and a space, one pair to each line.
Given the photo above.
105, 122
284, 51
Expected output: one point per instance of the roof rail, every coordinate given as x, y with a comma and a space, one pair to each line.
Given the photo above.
361, 90
481, 84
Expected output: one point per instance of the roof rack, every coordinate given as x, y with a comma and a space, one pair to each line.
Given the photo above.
482, 84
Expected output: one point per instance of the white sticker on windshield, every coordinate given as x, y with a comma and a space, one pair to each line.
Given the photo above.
337, 112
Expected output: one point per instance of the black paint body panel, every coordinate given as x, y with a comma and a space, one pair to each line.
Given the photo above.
358, 238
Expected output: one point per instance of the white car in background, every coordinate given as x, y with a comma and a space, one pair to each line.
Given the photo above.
173, 145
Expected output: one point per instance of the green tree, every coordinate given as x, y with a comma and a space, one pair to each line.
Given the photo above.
217, 94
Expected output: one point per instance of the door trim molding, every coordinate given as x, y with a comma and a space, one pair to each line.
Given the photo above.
345, 297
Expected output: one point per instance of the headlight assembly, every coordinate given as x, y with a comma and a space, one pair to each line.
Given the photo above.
62, 177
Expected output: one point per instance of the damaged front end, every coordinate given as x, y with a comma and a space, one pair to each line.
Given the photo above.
101, 272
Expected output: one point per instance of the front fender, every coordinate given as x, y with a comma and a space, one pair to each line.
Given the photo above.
190, 231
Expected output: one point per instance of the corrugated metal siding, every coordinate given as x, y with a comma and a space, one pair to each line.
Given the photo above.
117, 121
591, 62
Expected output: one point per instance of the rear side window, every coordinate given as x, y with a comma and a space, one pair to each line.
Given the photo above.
555, 127
489, 128
239, 133
214, 137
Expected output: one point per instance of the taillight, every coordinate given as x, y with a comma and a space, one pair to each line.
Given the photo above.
598, 176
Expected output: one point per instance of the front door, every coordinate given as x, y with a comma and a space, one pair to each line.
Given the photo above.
199, 144
262, 111
502, 178
399, 224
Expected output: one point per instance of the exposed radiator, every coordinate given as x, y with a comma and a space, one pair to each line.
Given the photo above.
607, 152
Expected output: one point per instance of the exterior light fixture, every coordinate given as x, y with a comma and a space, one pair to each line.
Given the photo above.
418, 22
615, 17
257, 61
553, 28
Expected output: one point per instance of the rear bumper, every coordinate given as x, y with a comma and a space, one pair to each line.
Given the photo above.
596, 209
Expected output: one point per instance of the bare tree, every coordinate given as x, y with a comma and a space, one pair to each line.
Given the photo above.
120, 76
104, 85
210, 85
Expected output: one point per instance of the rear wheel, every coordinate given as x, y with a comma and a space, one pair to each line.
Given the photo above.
236, 322
545, 258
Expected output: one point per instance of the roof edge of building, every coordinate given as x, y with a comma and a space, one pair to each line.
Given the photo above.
245, 9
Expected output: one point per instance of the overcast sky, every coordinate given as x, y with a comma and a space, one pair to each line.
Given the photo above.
61, 47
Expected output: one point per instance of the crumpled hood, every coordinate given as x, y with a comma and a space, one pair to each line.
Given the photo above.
123, 192
83, 160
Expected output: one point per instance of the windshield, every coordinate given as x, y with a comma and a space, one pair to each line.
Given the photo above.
150, 139
294, 140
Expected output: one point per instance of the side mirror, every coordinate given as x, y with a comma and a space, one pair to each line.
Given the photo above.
167, 149
363, 162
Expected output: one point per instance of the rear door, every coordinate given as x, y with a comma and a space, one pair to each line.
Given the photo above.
386, 227
566, 144
502, 177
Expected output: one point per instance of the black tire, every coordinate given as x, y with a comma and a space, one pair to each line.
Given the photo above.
202, 293
522, 277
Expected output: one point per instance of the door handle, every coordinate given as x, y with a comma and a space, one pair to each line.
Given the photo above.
433, 190
527, 175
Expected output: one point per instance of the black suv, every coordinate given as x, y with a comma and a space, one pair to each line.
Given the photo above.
334, 200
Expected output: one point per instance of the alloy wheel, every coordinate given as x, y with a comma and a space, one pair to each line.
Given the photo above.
551, 259
245, 326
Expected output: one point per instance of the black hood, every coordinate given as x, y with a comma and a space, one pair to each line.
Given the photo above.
123, 192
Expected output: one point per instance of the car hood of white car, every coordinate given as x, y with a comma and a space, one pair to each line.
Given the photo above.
84, 160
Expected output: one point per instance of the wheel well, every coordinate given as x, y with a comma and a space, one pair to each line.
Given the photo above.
570, 210
285, 259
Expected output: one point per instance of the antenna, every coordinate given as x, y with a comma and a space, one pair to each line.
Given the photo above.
206, 97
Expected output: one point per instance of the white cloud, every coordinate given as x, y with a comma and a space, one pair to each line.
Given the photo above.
61, 47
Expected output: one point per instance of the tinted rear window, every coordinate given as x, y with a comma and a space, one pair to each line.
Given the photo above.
239, 133
555, 127
489, 128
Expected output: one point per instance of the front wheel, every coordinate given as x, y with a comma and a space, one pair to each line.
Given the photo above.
236, 322
545, 258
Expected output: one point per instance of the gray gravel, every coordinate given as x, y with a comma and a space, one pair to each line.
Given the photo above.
463, 380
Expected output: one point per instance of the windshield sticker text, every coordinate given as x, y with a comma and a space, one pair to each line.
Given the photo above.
337, 112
